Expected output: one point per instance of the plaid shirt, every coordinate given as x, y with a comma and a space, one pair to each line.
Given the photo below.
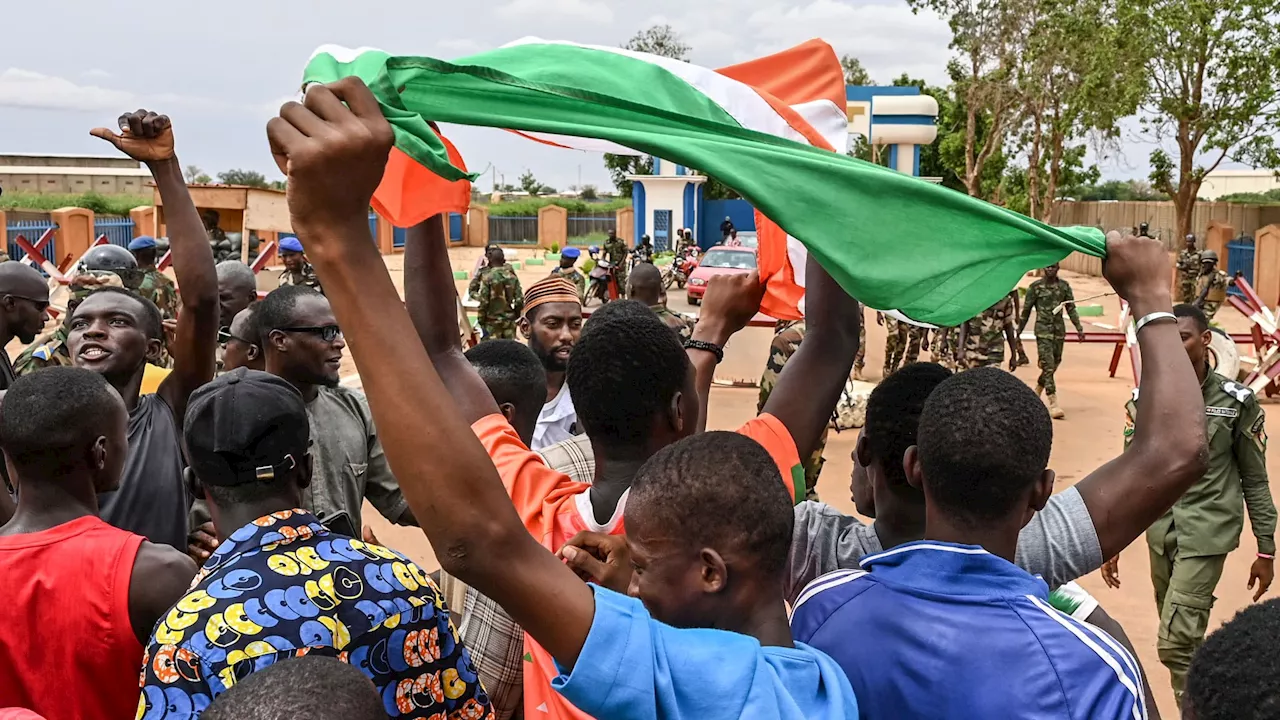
494, 640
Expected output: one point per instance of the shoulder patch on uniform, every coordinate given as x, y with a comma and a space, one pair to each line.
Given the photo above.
42, 353
1221, 411
1236, 390
1258, 424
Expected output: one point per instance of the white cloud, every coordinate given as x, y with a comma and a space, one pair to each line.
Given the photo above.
29, 89
589, 10
461, 46
96, 73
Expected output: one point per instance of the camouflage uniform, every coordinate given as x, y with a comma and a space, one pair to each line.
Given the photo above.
501, 302
574, 276
915, 337
895, 343
786, 340
859, 360
1051, 331
945, 342
473, 287
49, 350
159, 289
615, 251
1217, 281
1189, 544
306, 277
985, 335
1188, 274
682, 325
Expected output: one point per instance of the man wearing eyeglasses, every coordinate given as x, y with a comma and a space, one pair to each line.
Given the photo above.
302, 344
24, 309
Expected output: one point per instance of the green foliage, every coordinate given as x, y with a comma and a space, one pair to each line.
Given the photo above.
660, 40
1270, 197
530, 184
196, 176
555, 248
620, 166
250, 178
1113, 190
854, 73
591, 238
588, 192
529, 207
99, 204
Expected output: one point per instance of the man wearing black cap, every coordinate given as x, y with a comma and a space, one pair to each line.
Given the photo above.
281, 584
297, 271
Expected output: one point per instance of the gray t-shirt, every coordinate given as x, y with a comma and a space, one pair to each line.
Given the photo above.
1060, 543
152, 500
348, 464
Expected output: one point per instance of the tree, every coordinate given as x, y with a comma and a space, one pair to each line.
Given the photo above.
588, 192
986, 35
944, 157
530, 184
660, 40
196, 176
854, 73
1214, 88
1113, 190
251, 178
1082, 69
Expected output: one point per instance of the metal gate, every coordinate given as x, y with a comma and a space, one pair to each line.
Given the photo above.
661, 230
1240, 259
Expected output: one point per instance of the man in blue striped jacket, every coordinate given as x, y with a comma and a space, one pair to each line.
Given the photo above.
949, 626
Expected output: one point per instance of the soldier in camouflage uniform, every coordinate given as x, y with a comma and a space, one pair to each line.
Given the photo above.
983, 338
155, 286
788, 335
568, 271
944, 348
646, 287
1188, 271
297, 271
1213, 285
1045, 296
615, 251
1188, 546
500, 296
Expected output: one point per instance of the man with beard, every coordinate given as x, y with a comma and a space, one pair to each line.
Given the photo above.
552, 323
115, 332
303, 345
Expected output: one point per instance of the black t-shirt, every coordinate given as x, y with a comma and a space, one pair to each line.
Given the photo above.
7, 375
152, 500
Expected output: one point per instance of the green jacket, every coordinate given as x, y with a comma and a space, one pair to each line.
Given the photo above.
500, 296
1044, 298
1210, 515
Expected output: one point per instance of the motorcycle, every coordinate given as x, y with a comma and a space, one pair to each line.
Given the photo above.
678, 272
601, 285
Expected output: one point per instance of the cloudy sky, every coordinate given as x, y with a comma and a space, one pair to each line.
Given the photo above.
220, 70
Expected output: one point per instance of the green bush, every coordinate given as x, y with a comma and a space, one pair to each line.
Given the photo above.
555, 248
99, 204
529, 207
593, 238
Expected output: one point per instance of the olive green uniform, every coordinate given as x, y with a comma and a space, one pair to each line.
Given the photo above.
786, 341
615, 251
1051, 331
306, 276
1188, 273
501, 302
1217, 282
1189, 544
574, 276
682, 325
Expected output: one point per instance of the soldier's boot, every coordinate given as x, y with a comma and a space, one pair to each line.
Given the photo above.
1055, 412
857, 374
1039, 390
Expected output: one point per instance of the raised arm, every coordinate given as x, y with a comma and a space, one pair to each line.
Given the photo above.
728, 305
432, 300
334, 156
1167, 451
148, 137
810, 385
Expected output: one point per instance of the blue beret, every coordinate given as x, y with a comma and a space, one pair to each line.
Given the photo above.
571, 252
142, 243
290, 244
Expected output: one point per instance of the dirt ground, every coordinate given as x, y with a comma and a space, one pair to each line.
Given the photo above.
1090, 435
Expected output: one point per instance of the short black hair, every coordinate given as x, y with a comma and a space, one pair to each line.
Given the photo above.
717, 489
152, 320
49, 417
625, 369
514, 375
1187, 310
1235, 675
251, 323
277, 308
313, 687
984, 439
893, 415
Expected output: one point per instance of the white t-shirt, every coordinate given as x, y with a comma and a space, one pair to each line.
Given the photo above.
557, 420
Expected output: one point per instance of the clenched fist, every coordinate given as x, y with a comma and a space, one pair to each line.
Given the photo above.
144, 136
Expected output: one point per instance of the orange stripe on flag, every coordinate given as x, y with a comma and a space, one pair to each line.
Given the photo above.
409, 193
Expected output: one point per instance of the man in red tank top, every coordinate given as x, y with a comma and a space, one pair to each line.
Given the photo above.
81, 595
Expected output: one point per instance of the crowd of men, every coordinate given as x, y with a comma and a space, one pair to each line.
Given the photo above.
197, 551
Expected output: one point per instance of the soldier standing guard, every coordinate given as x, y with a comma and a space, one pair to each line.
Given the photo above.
1048, 296
567, 270
1188, 270
615, 251
297, 271
1213, 285
1189, 544
155, 285
500, 296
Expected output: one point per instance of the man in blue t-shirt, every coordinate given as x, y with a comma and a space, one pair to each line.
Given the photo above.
708, 517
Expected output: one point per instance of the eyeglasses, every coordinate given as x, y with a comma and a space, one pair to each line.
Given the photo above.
40, 304
326, 332
225, 336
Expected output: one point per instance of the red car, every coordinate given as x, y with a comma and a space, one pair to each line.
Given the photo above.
719, 260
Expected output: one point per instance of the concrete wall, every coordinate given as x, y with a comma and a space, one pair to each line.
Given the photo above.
60, 183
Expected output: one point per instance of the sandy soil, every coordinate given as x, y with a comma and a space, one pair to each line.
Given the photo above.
1089, 436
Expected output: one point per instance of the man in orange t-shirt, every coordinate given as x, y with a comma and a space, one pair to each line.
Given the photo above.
636, 391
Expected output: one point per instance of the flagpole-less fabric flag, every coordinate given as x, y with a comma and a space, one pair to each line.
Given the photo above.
892, 241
